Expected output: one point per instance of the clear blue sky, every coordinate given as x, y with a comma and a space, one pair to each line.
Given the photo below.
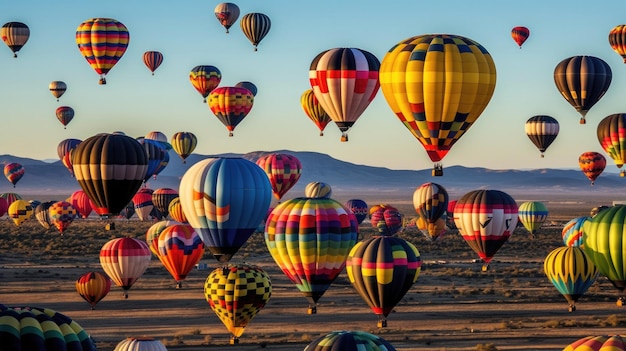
187, 34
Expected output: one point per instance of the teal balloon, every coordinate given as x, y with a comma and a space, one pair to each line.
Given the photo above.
224, 200
532, 214
572, 232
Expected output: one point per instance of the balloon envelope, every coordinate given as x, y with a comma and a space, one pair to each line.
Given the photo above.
14, 172
542, 131
19, 211
183, 144
349, 340
314, 110
611, 132
571, 272
230, 105
520, 34
226, 14
617, 40
283, 172
532, 214
572, 232
358, 207
255, 27
204, 79
598, 343
125, 260
102, 42
93, 287
592, 164
15, 35
57, 88
152, 60
179, 249
62, 214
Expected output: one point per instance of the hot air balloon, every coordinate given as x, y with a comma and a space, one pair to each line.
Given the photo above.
93, 287
532, 214
236, 293
382, 269
176, 211
592, 164
4, 206
255, 27
65, 151
156, 153
140, 344
617, 40
611, 134
230, 105
387, 220
450, 214
582, 80
435, 100
572, 232
309, 239
598, 343
349, 340
125, 260
183, 144
19, 211
128, 211
160, 137
603, 243
41, 214
179, 249
161, 199
204, 79
344, 81
520, 34
486, 219
57, 88
430, 201
248, 85
318, 189
542, 130
224, 200
358, 207
10, 198
15, 35
227, 14
110, 168
62, 214
81, 202
314, 110
283, 172
153, 233
102, 42
152, 60
143, 203
13, 172
571, 272
65, 114
41, 329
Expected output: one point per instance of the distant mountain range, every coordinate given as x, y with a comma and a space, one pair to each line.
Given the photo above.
346, 179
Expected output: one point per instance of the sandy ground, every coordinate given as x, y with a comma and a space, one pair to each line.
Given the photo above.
433, 316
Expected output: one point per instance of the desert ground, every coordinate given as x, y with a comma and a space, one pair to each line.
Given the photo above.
452, 306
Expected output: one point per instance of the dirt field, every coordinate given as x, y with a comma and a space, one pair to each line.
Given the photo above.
452, 306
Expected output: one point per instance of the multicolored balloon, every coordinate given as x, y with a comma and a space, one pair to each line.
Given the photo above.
122, 161
387, 220
358, 207
230, 105
140, 344
344, 81
583, 81
57, 88
486, 219
520, 34
236, 293
571, 272
542, 130
11, 197
14, 172
19, 211
255, 27
156, 153
349, 340
42, 329
227, 14
617, 40
142, 200
179, 249
248, 85
102, 42
416, 79
175, 210
4, 206
81, 202
65, 151
204, 79
314, 110
125, 260
62, 214
161, 199
183, 144
611, 134
224, 200
592, 164
603, 243
572, 232
93, 287
598, 343
382, 269
15, 35
152, 60
41, 213
153, 233
430, 201
283, 172
309, 239
532, 214
65, 114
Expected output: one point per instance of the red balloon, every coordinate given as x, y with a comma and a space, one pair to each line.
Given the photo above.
520, 34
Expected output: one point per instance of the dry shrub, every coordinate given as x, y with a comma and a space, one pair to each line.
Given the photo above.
486, 347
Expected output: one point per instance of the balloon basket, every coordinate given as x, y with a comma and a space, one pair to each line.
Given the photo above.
344, 138
437, 170
234, 340
485, 268
179, 285
621, 301
312, 310
622, 174
102, 81
582, 121
382, 323
571, 308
